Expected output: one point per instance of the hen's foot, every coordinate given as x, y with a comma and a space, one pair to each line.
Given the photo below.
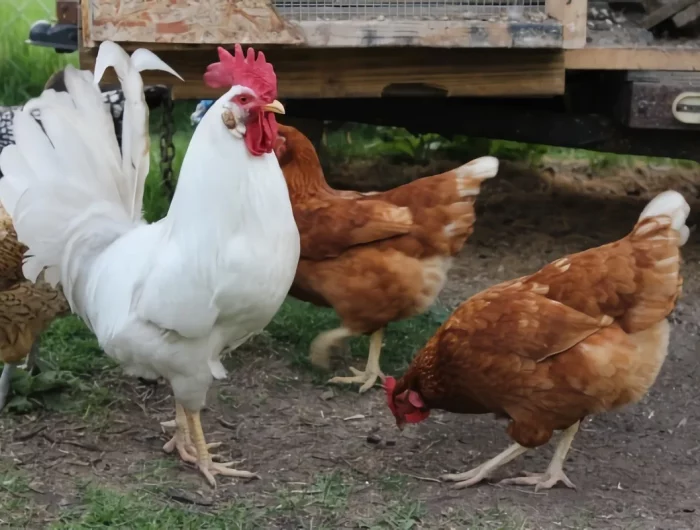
541, 481
476, 475
468, 478
372, 372
206, 466
365, 378
555, 471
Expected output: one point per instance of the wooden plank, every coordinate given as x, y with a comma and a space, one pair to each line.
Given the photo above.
183, 22
440, 34
370, 72
573, 15
642, 58
687, 16
67, 11
664, 12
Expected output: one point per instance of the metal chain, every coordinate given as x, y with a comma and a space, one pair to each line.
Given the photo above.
167, 148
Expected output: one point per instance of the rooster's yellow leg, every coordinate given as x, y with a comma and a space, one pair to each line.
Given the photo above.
372, 371
204, 462
479, 473
555, 470
181, 439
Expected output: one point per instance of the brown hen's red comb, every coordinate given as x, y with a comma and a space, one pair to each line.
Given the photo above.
249, 71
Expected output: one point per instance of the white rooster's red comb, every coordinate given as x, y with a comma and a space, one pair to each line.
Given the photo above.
244, 70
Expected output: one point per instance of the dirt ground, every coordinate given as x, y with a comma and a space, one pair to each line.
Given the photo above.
637, 468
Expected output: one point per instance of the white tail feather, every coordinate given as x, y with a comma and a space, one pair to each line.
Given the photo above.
67, 189
672, 204
135, 139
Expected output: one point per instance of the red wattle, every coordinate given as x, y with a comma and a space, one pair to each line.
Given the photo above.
261, 133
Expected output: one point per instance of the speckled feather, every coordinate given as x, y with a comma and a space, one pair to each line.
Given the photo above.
26, 309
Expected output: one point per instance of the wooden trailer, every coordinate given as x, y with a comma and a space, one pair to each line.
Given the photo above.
617, 75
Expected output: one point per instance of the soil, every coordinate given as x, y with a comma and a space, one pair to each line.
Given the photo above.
636, 468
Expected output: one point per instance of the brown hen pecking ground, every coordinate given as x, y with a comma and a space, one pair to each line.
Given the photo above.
92, 455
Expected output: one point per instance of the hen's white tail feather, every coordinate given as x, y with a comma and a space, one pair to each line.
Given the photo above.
672, 204
67, 189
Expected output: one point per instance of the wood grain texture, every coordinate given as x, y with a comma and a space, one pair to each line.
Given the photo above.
368, 72
664, 12
641, 58
186, 21
573, 15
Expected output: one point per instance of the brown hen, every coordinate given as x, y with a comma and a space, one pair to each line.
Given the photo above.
26, 309
586, 334
374, 257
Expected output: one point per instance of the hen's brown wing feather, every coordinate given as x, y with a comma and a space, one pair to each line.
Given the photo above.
329, 227
519, 318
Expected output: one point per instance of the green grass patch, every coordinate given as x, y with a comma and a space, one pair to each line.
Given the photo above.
74, 374
103, 508
24, 69
297, 324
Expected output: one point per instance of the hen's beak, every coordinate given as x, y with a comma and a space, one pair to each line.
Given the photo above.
400, 424
275, 107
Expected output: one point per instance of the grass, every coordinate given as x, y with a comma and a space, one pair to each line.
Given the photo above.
333, 500
24, 69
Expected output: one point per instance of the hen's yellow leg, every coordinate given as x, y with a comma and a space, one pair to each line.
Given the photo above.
555, 470
204, 462
372, 371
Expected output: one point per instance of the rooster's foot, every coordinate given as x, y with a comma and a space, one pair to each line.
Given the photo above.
365, 378
210, 469
184, 447
204, 462
541, 481
182, 441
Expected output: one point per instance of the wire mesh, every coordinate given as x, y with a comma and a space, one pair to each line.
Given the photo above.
299, 10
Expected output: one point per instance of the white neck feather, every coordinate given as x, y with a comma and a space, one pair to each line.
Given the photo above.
221, 185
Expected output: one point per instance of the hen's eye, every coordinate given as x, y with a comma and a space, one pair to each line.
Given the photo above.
244, 99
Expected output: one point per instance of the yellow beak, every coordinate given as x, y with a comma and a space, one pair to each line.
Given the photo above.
275, 107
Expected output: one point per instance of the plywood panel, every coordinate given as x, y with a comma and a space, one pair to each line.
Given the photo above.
190, 22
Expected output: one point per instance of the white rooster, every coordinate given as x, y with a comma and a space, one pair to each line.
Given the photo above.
163, 299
